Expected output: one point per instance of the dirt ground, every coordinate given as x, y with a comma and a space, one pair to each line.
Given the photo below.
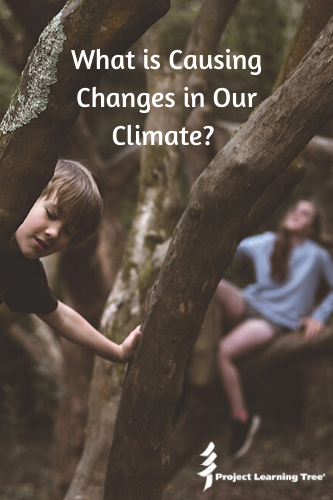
25, 456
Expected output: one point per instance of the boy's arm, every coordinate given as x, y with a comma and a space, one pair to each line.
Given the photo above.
71, 325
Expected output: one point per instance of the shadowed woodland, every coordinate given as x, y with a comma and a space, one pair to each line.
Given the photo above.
77, 427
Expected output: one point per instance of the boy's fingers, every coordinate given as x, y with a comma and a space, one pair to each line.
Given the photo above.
136, 337
136, 334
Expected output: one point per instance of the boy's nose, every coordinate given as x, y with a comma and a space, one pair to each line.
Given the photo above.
52, 231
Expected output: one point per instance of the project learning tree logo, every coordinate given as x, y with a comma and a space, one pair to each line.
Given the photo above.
209, 463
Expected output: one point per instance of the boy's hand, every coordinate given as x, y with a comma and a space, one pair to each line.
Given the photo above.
129, 345
312, 327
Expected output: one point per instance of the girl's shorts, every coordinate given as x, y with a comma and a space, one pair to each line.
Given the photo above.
250, 312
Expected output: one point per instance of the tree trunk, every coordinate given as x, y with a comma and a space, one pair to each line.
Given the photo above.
202, 246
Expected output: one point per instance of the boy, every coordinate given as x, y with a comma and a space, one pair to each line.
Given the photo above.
67, 212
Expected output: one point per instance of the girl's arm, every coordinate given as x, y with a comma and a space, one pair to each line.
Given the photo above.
71, 325
312, 327
324, 310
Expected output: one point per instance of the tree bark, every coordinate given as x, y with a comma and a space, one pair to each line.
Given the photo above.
201, 248
44, 106
318, 150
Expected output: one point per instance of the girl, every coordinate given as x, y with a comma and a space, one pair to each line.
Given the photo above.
288, 267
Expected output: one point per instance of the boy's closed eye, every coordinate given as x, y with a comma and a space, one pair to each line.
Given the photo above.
51, 214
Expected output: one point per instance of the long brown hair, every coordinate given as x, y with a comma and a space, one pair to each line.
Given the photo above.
283, 244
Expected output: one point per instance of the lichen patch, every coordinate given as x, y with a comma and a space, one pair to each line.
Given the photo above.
28, 102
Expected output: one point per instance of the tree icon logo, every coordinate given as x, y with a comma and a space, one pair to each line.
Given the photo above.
209, 463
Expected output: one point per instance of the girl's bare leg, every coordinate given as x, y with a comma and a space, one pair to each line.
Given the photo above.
243, 339
231, 303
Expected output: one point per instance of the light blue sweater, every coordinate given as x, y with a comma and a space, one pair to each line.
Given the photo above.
287, 302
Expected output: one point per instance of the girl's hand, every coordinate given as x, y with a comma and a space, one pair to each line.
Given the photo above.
129, 345
312, 327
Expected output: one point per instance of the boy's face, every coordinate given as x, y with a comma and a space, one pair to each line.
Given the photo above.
43, 232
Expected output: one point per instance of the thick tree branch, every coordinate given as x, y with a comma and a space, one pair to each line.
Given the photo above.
202, 247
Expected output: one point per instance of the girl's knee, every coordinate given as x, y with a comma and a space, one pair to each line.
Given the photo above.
224, 288
224, 351
231, 301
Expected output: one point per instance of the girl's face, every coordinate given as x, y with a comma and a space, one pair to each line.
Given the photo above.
299, 220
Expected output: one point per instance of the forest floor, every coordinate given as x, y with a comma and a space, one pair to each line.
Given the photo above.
25, 457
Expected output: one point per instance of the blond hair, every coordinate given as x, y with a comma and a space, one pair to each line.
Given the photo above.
78, 199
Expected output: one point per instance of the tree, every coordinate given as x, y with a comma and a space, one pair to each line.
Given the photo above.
152, 238
201, 248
